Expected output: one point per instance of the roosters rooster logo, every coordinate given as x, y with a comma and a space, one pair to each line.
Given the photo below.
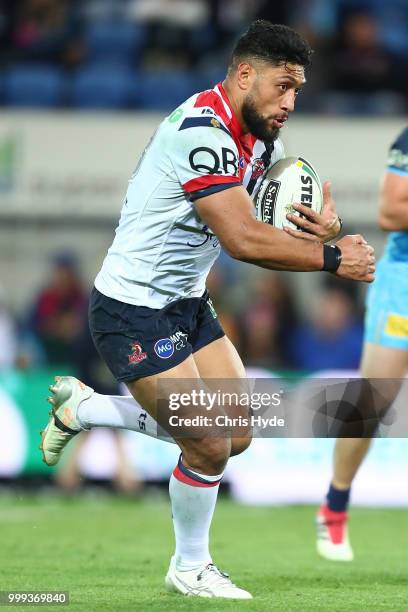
258, 168
137, 355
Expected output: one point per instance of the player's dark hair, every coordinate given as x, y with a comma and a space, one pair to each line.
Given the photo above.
270, 42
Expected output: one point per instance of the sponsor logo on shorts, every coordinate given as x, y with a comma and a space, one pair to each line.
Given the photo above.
397, 325
137, 355
179, 340
164, 348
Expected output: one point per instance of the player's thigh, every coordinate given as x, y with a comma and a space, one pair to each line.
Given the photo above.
383, 361
219, 359
146, 390
386, 321
220, 366
196, 442
385, 353
384, 368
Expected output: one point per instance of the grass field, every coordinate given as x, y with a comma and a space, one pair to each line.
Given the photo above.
112, 554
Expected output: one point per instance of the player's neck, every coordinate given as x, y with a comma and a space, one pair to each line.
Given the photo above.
235, 102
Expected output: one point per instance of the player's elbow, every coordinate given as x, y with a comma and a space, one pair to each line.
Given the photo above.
387, 221
240, 245
235, 248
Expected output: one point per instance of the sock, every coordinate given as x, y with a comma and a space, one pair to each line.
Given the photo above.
337, 500
119, 412
193, 497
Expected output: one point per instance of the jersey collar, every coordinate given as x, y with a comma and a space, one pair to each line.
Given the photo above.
233, 124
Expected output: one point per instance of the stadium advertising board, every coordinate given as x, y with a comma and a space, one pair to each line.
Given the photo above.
272, 471
87, 175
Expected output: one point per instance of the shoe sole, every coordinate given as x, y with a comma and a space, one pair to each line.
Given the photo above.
41, 446
43, 432
328, 557
173, 585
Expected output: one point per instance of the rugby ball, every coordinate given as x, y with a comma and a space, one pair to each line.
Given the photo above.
292, 180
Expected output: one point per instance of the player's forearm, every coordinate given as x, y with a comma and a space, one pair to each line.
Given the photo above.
271, 248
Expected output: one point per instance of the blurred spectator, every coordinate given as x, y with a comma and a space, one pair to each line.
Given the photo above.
58, 316
125, 479
391, 17
89, 365
104, 10
361, 50
277, 12
187, 13
332, 338
266, 322
8, 12
218, 293
47, 31
362, 70
8, 335
173, 26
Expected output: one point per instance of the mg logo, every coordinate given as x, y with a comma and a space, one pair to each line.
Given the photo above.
164, 348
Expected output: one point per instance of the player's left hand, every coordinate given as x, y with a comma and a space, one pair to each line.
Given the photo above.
318, 227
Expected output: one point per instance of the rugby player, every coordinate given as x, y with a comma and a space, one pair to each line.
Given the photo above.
150, 315
385, 353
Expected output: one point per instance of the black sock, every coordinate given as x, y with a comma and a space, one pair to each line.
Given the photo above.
338, 500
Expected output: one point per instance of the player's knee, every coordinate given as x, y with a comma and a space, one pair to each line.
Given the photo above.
209, 456
239, 445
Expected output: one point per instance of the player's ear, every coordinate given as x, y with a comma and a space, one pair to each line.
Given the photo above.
245, 75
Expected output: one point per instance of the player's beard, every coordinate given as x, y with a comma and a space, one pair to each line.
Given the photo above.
256, 123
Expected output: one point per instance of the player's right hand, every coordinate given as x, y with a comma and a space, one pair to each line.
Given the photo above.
357, 259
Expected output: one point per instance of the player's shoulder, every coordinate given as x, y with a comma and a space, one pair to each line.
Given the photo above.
398, 154
201, 119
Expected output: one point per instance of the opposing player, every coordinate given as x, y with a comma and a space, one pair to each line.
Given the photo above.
385, 354
150, 315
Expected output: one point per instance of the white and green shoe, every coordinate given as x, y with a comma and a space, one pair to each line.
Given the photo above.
67, 394
206, 581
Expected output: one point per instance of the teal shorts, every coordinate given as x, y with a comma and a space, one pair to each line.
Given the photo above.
386, 320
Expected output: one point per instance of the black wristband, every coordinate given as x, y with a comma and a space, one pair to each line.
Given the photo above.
331, 257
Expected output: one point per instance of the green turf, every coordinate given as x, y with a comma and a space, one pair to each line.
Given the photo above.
112, 554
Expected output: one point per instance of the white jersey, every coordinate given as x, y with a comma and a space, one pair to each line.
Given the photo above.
162, 250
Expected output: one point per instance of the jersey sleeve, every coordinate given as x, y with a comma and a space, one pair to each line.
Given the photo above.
205, 157
398, 155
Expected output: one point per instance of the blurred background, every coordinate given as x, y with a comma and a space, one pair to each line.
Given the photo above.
83, 85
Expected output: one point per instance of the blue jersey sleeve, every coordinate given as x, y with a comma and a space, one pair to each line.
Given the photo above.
398, 155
